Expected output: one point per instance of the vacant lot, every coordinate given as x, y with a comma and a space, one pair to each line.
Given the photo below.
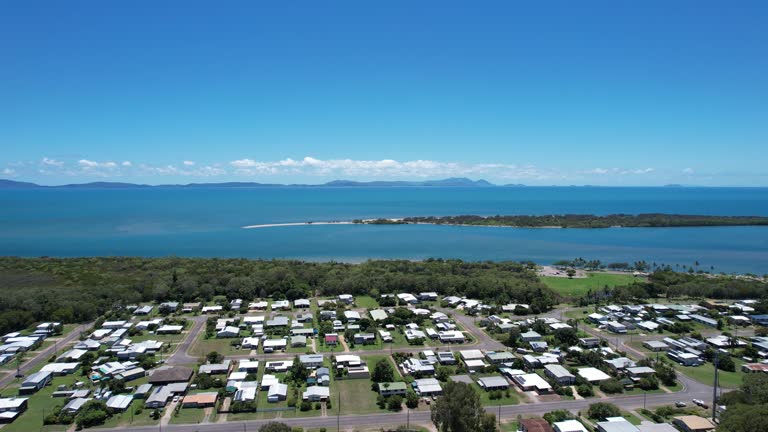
593, 281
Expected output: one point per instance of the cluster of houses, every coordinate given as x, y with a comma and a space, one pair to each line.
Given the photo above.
15, 342
685, 423
474, 307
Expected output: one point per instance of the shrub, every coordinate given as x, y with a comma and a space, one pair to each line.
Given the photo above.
602, 410
305, 406
611, 386
585, 390
395, 403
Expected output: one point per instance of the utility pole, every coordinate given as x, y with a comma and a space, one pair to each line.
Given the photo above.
338, 415
714, 389
499, 415
645, 395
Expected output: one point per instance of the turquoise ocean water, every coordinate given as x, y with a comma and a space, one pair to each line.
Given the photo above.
207, 223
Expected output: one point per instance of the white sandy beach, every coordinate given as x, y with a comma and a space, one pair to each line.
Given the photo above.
296, 224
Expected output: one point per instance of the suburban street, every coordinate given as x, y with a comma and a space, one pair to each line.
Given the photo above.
690, 389
45, 354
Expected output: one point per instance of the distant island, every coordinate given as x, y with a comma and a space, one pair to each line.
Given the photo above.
449, 182
648, 220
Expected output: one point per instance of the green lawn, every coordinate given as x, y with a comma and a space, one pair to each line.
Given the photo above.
486, 400
579, 287
41, 404
356, 397
367, 302
190, 415
130, 418
631, 418
203, 346
706, 374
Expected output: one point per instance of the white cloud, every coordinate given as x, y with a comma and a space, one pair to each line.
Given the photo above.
688, 171
52, 162
9, 172
126, 163
386, 168
599, 171
243, 163
189, 163
638, 171
85, 163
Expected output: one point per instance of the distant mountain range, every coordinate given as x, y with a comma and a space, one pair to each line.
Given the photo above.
450, 182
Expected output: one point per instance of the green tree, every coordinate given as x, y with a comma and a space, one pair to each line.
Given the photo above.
611, 386
726, 363
557, 416
488, 423
755, 386
298, 372
213, 357
411, 399
92, 413
458, 410
602, 410
383, 372
275, 427
395, 403
744, 418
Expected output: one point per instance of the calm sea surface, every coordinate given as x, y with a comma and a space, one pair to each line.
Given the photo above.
207, 223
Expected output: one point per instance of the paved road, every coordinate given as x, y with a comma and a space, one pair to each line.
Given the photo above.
181, 355
366, 420
45, 354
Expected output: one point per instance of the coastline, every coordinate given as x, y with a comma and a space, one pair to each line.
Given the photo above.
296, 224
290, 224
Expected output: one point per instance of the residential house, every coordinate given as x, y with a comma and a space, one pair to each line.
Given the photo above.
316, 394
392, 388
560, 374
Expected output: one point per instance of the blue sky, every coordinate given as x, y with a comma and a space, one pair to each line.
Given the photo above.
595, 92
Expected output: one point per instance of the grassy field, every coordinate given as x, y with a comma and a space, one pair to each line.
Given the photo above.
188, 415
367, 302
579, 287
356, 397
706, 374
203, 346
125, 419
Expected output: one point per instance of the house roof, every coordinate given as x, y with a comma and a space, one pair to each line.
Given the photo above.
617, 425
493, 381
201, 398
592, 374
171, 374
392, 386
695, 422
536, 425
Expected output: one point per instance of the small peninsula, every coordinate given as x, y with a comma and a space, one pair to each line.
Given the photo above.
647, 220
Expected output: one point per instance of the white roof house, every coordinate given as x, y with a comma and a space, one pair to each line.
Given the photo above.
532, 381
273, 344
316, 393
569, 426
378, 314
427, 387
592, 374
471, 354
120, 402
352, 315
228, 332
277, 392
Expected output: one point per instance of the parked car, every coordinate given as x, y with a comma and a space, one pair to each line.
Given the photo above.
681, 404
700, 403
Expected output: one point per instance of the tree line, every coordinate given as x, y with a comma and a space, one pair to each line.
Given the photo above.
644, 220
81, 289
